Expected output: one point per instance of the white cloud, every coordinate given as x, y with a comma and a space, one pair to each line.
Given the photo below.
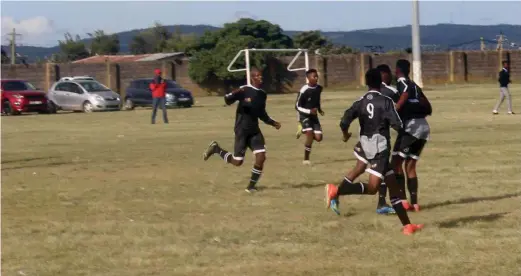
33, 30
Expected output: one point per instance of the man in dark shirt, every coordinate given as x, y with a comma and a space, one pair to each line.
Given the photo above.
251, 108
308, 105
375, 114
361, 165
413, 108
504, 80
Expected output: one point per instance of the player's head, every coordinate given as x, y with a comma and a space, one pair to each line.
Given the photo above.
373, 79
403, 67
256, 77
312, 76
385, 71
506, 64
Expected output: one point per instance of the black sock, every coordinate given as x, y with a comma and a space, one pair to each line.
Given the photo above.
307, 152
382, 193
400, 180
348, 188
226, 156
256, 173
412, 186
400, 211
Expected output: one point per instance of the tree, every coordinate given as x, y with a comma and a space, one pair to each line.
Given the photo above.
153, 40
72, 49
214, 50
139, 45
311, 40
103, 44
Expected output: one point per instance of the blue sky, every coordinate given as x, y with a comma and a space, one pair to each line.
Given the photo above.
43, 23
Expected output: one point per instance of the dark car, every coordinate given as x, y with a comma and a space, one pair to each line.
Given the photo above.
21, 96
138, 94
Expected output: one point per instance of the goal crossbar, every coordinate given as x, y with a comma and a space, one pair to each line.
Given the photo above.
246, 53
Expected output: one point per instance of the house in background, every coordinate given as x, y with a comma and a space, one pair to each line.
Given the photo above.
133, 58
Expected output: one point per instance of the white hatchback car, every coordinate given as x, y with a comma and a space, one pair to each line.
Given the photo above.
82, 94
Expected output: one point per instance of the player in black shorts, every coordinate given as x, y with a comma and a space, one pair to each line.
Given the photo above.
361, 165
251, 108
413, 108
376, 114
308, 105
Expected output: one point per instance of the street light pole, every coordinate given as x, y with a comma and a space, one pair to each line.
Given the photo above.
416, 50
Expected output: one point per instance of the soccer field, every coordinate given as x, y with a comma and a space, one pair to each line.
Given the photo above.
110, 194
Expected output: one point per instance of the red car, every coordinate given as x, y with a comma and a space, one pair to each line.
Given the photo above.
20, 96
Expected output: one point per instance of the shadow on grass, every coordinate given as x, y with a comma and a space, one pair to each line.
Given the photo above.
286, 185
469, 200
26, 159
338, 160
453, 223
44, 165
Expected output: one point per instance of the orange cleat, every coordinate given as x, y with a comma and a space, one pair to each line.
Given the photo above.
406, 205
416, 207
409, 229
331, 191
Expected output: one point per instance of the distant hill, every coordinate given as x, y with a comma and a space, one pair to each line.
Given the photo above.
439, 37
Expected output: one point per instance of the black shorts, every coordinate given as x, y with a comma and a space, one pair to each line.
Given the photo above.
378, 166
253, 141
408, 146
311, 123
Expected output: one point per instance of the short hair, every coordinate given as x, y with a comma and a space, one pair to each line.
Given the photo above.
505, 61
255, 69
384, 68
311, 71
404, 66
373, 78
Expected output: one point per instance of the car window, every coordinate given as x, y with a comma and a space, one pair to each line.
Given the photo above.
146, 84
172, 84
74, 88
17, 86
93, 86
62, 86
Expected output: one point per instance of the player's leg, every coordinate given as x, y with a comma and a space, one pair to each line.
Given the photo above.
401, 212
256, 143
163, 109
500, 101
317, 130
155, 104
307, 129
235, 159
509, 100
410, 170
299, 126
399, 155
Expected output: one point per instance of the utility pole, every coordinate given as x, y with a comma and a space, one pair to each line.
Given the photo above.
13, 45
482, 44
416, 49
501, 38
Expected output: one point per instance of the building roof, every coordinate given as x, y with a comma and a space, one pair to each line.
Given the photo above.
127, 58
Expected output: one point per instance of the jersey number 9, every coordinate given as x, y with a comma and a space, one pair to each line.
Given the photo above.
370, 110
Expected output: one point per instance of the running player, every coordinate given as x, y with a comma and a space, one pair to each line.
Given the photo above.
361, 165
308, 105
413, 108
251, 108
376, 114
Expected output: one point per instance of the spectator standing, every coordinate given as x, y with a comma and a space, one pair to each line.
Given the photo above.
504, 80
158, 87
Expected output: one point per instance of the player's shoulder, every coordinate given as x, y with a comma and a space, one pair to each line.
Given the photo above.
250, 88
389, 88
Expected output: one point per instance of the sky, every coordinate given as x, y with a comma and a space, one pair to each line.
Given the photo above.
42, 23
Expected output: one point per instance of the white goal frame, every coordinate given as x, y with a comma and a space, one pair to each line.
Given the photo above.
247, 60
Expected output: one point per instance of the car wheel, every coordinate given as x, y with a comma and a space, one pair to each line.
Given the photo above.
6, 108
9, 110
87, 107
51, 108
129, 104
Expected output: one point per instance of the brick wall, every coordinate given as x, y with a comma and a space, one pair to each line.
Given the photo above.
335, 70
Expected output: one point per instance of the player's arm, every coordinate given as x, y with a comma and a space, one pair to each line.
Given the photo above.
425, 103
235, 95
266, 118
392, 115
349, 116
403, 89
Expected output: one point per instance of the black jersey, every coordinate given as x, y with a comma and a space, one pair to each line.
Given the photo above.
375, 113
251, 108
504, 78
414, 107
390, 92
307, 99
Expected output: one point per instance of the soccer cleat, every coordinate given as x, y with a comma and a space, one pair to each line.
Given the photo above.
385, 210
409, 229
511, 113
210, 150
495, 112
251, 190
416, 207
299, 131
306, 162
333, 205
331, 201
406, 204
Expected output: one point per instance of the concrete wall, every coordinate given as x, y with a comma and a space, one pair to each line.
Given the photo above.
336, 71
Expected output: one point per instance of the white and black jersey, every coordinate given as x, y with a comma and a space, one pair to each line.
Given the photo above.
251, 108
413, 107
390, 92
307, 99
376, 114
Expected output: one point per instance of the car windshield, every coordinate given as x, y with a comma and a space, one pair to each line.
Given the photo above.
93, 86
17, 86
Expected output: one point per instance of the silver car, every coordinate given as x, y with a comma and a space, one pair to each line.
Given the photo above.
81, 94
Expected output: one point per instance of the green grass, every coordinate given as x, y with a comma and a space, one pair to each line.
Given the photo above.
110, 194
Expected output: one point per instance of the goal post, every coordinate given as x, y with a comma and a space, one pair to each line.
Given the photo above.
247, 52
